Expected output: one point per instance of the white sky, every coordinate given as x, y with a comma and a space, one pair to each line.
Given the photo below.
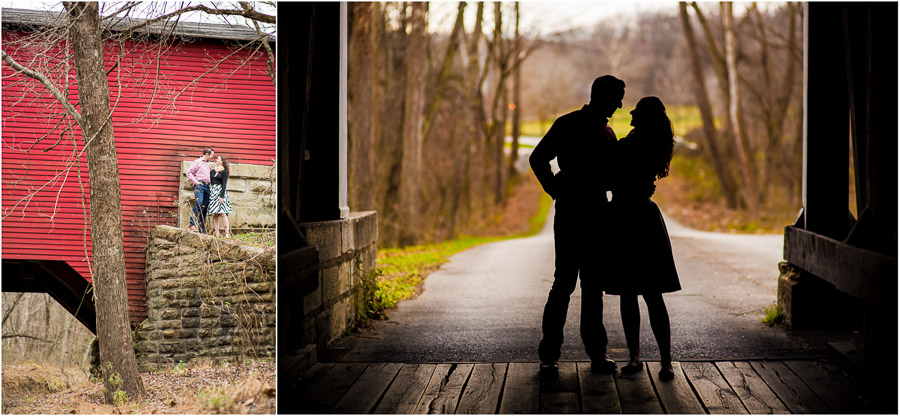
170, 6
546, 17
538, 17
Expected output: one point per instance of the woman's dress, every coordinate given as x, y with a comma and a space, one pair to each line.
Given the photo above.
640, 242
218, 182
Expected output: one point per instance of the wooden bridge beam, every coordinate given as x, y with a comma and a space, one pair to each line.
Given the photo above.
826, 124
57, 279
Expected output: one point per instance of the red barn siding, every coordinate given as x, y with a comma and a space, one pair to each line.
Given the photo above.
231, 109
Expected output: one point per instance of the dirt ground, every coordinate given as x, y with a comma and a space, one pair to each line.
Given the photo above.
672, 196
227, 388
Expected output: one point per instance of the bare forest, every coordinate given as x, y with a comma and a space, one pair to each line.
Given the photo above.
36, 328
430, 108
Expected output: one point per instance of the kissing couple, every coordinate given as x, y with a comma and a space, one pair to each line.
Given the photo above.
618, 245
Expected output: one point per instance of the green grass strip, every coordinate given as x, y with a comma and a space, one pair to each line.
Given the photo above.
401, 269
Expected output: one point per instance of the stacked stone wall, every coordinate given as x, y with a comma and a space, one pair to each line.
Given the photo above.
206, 297
347, 250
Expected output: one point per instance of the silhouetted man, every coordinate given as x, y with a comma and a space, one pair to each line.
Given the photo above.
582, 143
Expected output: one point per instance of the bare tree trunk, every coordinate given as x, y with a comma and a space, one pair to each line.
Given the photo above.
67, 323
107, 241
498, 121
363, 116
751, 194
48, 348
474, 140
444, 75
414, 102
500, 141
716, 56
702, 97
783, 98
517, 101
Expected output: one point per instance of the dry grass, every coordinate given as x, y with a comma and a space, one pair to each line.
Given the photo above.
199, 388
708, 214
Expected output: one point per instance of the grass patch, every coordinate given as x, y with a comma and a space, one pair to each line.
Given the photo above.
214, 399
508, 146
261, 239
684, 119
774, 315
180, 369
403, 269
400, 270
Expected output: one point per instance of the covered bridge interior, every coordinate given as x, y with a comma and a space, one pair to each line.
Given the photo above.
848, 265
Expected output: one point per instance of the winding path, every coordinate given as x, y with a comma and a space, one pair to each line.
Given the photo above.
485, 306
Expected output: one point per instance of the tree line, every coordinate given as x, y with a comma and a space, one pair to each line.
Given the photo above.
428, 111
428, 115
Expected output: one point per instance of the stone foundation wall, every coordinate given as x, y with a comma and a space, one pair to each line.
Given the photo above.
251, 190
206, 297
346, 250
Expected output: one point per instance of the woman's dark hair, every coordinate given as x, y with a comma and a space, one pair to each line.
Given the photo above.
225, 164
657, 129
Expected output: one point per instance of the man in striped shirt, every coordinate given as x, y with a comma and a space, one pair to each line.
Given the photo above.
198, 174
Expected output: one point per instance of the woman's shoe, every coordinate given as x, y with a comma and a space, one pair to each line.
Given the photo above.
666, 372
630, 368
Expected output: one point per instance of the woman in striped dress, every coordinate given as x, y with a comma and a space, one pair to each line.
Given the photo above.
219, 205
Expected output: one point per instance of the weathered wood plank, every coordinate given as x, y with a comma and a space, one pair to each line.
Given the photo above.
676, 394
296, 389
442, 393
636, 394
559, 402
864, 274
314, 373
598, 391
407, 389
795, 394
522, 389
715, 393
559, 393
830, 387
368, 388
757, 397
321, 395
482, 392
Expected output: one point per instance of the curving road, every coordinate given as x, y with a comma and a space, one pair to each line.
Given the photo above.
486, 304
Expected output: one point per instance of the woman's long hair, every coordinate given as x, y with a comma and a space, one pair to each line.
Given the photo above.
656, 129
225, 164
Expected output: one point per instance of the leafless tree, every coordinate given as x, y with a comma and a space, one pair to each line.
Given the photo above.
702, 98
81, 41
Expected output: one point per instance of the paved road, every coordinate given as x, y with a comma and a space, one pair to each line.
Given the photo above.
486, 304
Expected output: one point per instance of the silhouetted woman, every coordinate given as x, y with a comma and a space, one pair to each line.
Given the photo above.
644, 253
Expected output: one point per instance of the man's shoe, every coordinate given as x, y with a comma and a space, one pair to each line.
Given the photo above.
603, 366
193, 228
630, 369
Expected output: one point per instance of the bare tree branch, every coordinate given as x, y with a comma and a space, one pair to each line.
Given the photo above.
247, 12
46, 82
7, 336
270, 63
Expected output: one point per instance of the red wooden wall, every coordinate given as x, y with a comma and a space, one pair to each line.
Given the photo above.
230, 108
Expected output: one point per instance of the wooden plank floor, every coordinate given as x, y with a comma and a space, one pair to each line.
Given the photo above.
715, 387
